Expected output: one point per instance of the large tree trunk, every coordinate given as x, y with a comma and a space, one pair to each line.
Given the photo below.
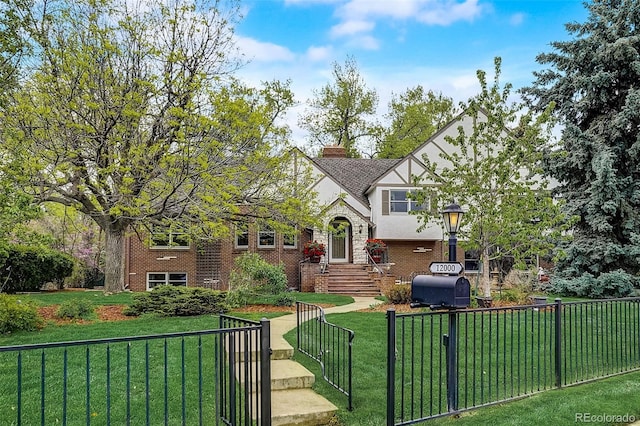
114, 260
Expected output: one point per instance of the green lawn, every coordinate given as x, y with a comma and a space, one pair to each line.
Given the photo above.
151, 387
616, 395
144, 325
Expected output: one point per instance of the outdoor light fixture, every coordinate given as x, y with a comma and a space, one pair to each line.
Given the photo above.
452, 216
360, 229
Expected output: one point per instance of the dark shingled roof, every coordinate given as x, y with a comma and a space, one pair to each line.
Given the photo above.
356, 175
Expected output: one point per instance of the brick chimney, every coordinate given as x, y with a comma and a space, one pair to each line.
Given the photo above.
333, 151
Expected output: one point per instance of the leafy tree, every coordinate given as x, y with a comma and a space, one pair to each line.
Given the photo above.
414, 116
12, 45
341, 113
131, 117
492, 172
594, 81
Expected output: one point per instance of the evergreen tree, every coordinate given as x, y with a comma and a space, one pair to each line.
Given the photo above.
594, 81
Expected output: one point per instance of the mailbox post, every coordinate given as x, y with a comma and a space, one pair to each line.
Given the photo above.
448, 291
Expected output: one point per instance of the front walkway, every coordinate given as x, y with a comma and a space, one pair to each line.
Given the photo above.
292, 400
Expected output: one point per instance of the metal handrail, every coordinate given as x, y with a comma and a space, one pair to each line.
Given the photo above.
326, 343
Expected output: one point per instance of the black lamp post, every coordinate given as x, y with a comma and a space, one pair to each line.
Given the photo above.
452, 216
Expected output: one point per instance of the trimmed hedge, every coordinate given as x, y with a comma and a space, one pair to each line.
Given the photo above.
170, 301
29, 268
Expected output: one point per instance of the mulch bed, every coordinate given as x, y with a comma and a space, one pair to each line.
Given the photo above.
114, 312
104, 313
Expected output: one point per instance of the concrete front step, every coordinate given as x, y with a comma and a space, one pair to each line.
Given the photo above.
300, 407
287, 374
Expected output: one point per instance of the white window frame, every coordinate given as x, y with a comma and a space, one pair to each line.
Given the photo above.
266, 233
238, 234
410, 205
290, 245
172, 237
169, 279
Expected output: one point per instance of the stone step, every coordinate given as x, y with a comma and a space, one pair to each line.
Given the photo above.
355, 293
287, 374
300, 407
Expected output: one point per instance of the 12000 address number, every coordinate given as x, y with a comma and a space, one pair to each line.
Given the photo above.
445, 268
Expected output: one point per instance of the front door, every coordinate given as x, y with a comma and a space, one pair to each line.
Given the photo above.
339, 243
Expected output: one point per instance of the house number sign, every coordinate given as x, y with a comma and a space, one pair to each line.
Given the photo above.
446, 267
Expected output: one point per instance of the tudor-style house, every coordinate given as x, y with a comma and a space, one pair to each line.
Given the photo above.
364, 198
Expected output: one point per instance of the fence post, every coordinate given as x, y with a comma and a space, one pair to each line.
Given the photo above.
350, 374
265, 372
558, 352
451, 343
391, 365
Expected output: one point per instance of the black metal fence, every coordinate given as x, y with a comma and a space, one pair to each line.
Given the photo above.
208, 377
441, 363
329, 344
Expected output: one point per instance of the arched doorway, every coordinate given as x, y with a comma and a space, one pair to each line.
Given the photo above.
339, 240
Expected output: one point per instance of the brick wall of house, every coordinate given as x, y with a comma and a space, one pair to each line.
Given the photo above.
409, 257
141, 260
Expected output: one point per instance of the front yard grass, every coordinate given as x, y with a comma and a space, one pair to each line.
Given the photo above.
613, 396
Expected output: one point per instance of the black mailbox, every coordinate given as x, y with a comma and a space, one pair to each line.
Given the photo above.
438, 291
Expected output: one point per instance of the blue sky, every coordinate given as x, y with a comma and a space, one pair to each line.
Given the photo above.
398, 44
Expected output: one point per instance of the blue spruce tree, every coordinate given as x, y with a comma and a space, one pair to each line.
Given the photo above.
594, 81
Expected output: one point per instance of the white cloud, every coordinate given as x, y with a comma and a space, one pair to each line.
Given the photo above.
447, 12
432, 12
351, 27
358, 18
263, 52
398, 9
319, 53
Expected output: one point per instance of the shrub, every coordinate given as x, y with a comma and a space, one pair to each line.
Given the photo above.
611, 284
515, 295
285, 299
614, 284
254, 275
170, 300
16, 315
75, 309
29, 268
399, 294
